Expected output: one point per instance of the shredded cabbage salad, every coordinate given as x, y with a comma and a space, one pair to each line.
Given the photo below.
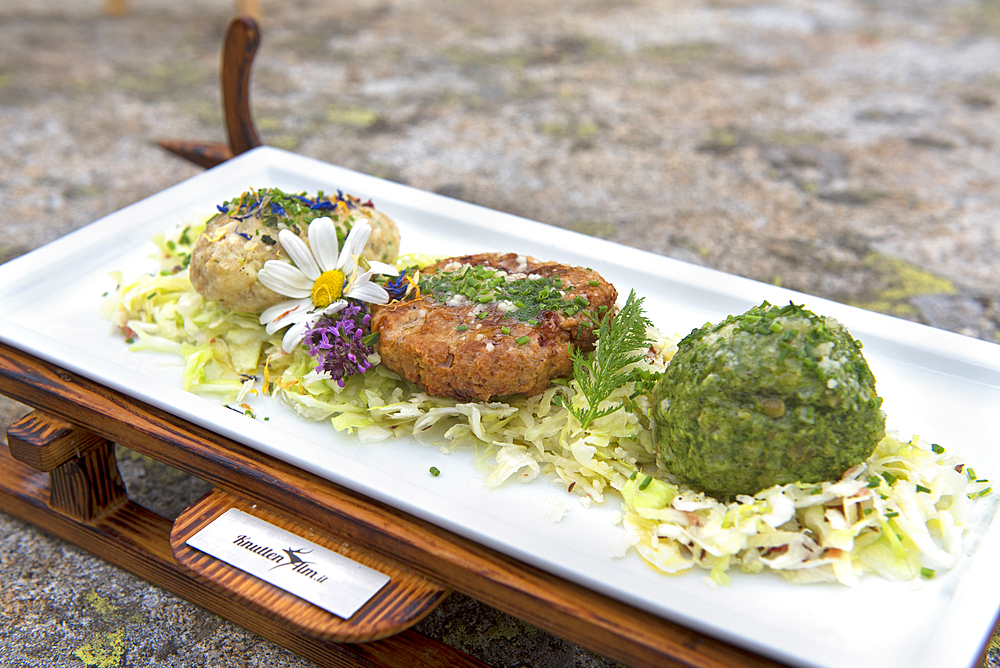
904, 513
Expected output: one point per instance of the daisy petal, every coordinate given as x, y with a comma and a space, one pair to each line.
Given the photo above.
354, 245
335, 307
300, 254
293, 336
286, 313
368, 292
285, 279
323, 242
377, 267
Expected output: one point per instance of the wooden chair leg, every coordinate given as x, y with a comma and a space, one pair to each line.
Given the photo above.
242, 40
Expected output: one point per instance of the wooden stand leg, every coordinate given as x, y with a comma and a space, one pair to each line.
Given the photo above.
83, 472
87, 487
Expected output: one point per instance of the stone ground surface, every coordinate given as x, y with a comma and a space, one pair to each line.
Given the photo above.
845, 148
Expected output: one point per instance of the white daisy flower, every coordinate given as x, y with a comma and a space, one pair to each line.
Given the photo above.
321, 278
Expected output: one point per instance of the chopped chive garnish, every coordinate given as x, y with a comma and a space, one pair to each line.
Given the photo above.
645, 483
921, 488
938, 449
521, 340
461, 328
593, 284
633, 476
483, 285
505, 329
927, 573
434, 471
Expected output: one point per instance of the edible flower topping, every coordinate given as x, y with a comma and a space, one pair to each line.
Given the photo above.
340, 344
321, 280
401, 286
273, 206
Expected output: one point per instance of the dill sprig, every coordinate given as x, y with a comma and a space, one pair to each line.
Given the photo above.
600, 373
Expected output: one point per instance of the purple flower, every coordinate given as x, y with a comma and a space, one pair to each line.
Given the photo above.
338, 342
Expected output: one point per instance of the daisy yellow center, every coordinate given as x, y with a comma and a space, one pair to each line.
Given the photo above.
328, 288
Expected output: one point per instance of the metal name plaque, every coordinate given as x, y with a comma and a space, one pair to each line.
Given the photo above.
322, 577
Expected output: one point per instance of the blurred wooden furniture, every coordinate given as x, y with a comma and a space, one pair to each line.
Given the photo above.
243, 7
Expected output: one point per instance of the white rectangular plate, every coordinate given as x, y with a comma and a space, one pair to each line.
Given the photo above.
939, 385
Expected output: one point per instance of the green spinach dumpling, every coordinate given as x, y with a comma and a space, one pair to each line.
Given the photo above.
773, 396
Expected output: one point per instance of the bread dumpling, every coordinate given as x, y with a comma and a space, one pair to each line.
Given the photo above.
243, 235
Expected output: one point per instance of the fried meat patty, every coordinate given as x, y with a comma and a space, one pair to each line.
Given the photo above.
453, 347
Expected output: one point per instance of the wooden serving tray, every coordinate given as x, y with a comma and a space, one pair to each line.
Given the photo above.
60, 473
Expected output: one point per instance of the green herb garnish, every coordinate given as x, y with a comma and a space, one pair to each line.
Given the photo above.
525, 298
599, 374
